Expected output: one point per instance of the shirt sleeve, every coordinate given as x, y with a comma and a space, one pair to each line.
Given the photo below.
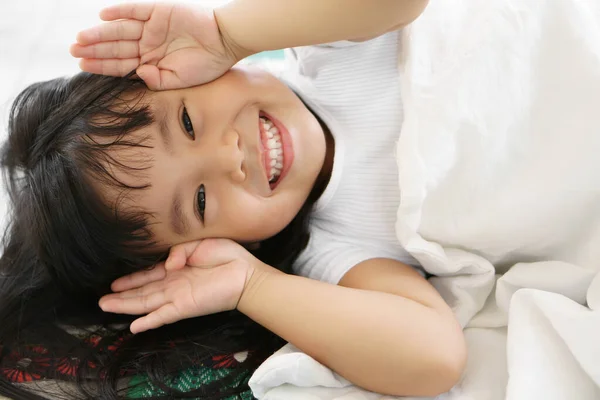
328, 259
307, 61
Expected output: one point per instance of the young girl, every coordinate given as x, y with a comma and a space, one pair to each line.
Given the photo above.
236, 176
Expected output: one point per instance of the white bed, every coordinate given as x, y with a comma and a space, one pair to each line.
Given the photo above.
499, 171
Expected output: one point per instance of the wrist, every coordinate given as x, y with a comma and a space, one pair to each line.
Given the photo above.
234, 49
255, 278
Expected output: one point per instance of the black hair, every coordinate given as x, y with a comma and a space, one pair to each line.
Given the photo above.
63, 246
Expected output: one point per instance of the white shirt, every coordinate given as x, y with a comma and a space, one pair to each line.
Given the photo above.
355, 90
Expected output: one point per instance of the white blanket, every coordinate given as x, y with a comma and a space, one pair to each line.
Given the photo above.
499, 161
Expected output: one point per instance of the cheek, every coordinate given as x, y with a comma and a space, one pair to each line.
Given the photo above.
253, 219
281, 212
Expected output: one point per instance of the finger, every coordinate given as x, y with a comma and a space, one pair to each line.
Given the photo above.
145, 290
118, 49
139, 11
109, 67
138, 279
180, 253
111, 31
167, 314
134, 305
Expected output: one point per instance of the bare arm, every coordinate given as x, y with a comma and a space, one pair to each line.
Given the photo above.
384, 328
252, 26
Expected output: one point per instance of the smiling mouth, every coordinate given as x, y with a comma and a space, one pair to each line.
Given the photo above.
274, 153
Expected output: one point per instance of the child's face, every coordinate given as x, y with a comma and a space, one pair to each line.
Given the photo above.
224, 172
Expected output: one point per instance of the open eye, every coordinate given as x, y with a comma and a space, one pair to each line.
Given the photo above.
201, 198
187, 124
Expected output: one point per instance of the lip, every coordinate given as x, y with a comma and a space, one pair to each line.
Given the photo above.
286, 144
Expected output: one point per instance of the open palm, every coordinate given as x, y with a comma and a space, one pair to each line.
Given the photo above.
203, 277
172, 46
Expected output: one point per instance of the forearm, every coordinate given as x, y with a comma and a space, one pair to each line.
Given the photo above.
380, 341
258, 25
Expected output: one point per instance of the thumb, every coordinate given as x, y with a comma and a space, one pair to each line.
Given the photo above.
149, 74
160, 79
179, 255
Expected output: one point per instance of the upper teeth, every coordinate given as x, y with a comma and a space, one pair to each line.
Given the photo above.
274, 147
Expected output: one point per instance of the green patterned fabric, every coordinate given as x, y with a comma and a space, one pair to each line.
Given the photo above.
185, 381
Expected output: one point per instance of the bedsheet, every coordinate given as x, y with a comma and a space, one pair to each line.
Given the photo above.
500, 197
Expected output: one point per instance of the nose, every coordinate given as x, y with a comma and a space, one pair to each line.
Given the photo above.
225, 158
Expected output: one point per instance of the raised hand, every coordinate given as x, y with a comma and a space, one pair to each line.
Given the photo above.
171, 46
199, 278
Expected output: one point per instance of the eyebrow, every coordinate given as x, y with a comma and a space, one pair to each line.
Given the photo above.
179, 222
163, 125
